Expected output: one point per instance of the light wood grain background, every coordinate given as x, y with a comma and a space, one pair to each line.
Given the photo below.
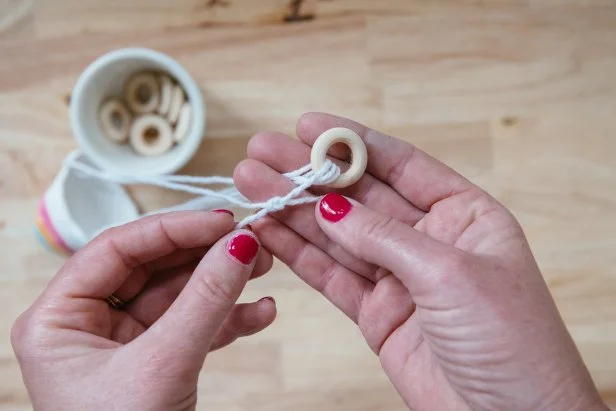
520, 96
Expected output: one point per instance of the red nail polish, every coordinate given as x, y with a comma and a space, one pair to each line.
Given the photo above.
223, 211
243, 248
334, 207
268, 299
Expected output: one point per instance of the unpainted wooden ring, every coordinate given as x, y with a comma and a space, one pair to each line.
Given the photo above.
143, 82
115, 120
151, 135
177, 101
181, 128
166, 88
359, 159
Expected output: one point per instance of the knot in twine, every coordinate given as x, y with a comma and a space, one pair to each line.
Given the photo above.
303, 178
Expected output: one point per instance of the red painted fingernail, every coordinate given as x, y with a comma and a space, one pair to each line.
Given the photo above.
334, 207
268, 299
243, 248
222, 210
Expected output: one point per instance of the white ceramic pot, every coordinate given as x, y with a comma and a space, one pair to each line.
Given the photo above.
106, 77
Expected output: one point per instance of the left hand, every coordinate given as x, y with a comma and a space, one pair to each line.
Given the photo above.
78, 353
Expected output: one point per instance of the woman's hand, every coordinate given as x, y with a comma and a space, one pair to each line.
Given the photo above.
436, 273
78, 353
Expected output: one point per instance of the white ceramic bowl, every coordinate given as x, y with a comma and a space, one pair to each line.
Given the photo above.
104, 78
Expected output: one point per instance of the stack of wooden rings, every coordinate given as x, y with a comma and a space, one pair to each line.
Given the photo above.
152, 116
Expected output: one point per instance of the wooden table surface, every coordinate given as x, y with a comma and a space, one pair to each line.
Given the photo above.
518, 95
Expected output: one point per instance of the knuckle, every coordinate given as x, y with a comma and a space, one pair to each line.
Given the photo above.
108, 241
215, 290
108, 234
379, 226
370, 327
228, 333
18, 332
452, 270
24, 334
105, 239
456, 263
111, 234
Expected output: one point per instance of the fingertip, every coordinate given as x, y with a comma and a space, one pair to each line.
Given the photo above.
250, 318
258, 144
243, 247
306, 122
257, 315
266, 260
224, 218
265, 227
245, 231
267, 310
243, 171
245, 320
311, 125
248, 178
332, 208
264, 263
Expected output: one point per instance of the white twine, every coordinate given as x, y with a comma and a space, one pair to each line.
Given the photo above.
207, 199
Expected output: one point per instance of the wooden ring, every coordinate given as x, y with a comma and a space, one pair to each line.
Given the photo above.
151, 135
359, 153
166, 87
142, 93
115, 120
177, 101
181, 129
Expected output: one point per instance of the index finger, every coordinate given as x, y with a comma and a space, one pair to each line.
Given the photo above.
104, 264
415, 175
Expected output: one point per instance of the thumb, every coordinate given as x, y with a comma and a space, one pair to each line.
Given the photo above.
414, 258
187, 329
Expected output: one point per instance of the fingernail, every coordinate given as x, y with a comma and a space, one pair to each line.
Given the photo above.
268, 299
222, 210
334, 207
243, 248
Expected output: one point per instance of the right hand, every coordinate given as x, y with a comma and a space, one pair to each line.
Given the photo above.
437, 274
